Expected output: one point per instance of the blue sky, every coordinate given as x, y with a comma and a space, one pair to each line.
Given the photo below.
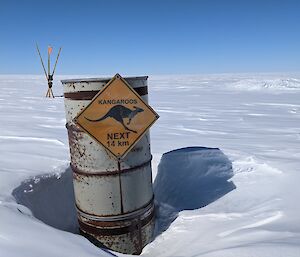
151, 37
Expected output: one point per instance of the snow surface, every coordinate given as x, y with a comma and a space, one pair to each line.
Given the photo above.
231, 191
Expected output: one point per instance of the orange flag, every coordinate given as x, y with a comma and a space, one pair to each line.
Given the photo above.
49, 50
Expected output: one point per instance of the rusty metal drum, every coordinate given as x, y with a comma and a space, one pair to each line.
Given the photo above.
114, 198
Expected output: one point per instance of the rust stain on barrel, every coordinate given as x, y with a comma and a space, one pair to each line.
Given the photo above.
109, 173
127, 225
89, 95
113, 228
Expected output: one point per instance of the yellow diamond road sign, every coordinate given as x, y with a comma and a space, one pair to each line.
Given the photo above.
117, 117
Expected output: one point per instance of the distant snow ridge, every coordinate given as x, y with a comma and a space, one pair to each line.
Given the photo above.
259, 84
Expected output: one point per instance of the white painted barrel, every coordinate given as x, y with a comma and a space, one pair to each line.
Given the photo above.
114, 199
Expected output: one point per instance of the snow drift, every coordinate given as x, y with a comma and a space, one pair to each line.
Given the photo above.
249, 210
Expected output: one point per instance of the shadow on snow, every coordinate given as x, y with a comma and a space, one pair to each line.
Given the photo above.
187, 179
50, 199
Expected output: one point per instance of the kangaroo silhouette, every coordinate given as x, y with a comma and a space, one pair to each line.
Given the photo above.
119, 113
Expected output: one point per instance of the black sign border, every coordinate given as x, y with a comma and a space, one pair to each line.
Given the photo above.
117, 76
